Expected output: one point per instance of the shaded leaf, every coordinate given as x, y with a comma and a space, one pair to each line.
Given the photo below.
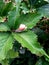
6, 8
44, 10
5, 62
42, 62
1, 6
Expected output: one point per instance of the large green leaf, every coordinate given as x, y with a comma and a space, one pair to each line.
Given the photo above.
4, 27
5, 44
29, 40
29, 20
14, 14
44, 10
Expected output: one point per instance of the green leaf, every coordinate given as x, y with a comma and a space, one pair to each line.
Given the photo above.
4, 27
6, 8
32, 2
5, 44
12, 54
14, 14
47, 1
1, 6
41, 61
44, 10
29, 40
18, 2
29, 20
5, 62
1, 19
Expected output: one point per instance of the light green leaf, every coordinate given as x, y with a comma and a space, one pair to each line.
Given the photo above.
5, 44
14, 14
1, 19
18, 2
29, 40
29, 20
44, 10
4, 27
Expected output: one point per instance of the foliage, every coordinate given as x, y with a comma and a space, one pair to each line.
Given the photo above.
31, 37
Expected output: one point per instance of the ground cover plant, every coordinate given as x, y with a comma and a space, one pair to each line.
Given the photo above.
24, 32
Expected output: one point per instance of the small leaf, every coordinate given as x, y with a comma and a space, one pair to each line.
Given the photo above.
6, 41
4, 27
